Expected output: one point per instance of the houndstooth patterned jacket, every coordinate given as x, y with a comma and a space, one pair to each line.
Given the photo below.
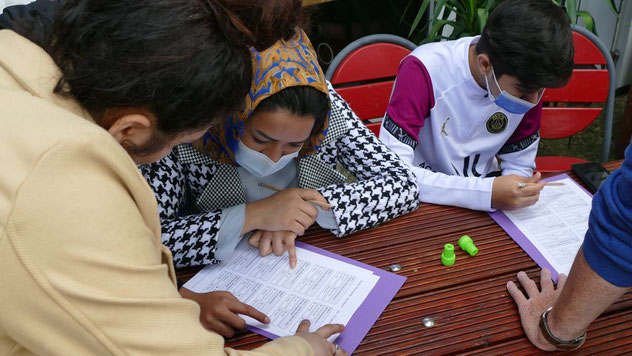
191, 188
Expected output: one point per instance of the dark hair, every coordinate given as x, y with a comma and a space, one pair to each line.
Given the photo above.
185, 61
301, 101
530, 40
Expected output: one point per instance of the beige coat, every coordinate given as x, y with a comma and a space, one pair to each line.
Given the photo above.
82, 270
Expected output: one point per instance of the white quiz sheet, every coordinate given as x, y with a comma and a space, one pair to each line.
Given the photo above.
320, 288
557, 223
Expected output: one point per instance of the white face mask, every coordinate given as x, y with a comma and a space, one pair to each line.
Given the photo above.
258, 164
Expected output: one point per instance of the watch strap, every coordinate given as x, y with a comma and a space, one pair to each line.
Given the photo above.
559, 344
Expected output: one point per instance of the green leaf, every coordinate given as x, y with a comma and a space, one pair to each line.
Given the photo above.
489, 4
419, 37
420, 14
461, 9
588, 20
447, 11
438, 6
430, 39
482, 19
469, 17
438, 25
401, 19
613, 7
571, 10
470, 11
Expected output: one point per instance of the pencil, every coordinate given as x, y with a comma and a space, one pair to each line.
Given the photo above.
522, 185
321, 204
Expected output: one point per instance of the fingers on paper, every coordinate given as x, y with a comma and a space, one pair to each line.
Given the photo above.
326, 331
278, 246
276, 242
226, 316
303, 327
265, 244
255, 238
291, 249
250, 311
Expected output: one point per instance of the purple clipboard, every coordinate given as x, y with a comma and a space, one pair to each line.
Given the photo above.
367, 314
512, 230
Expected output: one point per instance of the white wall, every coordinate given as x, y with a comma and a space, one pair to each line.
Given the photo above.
606, 24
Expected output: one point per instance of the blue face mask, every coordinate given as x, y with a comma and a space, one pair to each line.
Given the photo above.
258, 164
509, 102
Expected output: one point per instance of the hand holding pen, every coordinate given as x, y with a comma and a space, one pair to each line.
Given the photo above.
512, 192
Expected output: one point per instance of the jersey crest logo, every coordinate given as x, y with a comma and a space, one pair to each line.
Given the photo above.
497, 123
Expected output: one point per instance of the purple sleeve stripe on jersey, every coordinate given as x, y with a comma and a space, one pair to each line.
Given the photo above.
412, 97
529, 125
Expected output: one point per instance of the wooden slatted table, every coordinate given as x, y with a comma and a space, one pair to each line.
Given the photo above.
472, 310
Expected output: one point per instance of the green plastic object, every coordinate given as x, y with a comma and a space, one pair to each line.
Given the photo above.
448, 257
466, 244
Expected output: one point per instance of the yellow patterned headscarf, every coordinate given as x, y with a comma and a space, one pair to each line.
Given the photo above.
285, 64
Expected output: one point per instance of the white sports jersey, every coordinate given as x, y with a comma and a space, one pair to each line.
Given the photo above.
442, 123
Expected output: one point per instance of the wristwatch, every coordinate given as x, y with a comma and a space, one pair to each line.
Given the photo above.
559, 344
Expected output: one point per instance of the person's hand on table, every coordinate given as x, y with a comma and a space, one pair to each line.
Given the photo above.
219, 311
507, 195
275, 241
318, 338
287, 210
536, 302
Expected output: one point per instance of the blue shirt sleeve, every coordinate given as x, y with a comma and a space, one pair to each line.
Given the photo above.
608, 243
229, 234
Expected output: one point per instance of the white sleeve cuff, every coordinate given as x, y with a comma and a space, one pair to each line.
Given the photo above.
326, 218
466, 192
526, 172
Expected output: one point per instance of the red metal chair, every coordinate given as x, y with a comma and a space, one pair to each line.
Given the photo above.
363, 73
593, 85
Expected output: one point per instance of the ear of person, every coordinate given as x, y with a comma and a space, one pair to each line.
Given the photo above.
134, 127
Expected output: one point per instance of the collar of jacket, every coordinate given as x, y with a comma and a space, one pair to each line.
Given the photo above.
34, 70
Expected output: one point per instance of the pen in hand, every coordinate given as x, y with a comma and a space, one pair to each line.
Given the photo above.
522, 185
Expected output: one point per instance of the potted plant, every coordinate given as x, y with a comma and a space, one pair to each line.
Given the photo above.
452, 19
